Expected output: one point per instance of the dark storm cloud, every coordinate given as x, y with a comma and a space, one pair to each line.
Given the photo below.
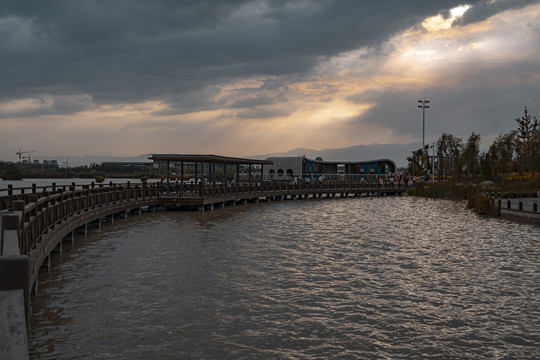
255, 101
487, 8
57, 105
134, 50
486, 101
263, 113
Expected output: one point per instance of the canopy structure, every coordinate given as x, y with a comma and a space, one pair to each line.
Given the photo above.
200, 162
215, 159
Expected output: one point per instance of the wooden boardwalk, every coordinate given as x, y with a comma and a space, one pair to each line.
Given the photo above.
204, 197
49, 214
35, 221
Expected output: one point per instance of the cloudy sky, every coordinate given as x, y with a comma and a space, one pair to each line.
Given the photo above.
247, 77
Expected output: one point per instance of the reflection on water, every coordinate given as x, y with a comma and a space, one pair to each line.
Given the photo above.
324, 279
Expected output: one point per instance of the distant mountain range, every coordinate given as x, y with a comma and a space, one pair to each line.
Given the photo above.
396, 152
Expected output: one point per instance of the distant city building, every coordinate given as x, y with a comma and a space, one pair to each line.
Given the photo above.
126, 163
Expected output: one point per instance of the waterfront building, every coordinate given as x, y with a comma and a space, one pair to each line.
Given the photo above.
287, 168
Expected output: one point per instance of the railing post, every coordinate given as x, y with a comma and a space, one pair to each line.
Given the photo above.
10, 196
10, 245
63, 203
13, 263
34, 229
101, 200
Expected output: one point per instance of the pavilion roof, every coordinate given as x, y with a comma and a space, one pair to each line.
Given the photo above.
218, 159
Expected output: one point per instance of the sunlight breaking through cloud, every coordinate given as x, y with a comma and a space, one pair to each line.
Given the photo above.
262, 77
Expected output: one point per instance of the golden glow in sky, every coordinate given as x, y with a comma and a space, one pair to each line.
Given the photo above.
361, 96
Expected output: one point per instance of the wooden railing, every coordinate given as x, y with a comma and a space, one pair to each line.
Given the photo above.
268, 189
34, 219
10, 194
41, 210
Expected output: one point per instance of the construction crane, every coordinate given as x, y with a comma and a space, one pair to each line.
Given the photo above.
20, 153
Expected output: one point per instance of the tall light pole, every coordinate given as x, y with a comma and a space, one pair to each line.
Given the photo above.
424, 107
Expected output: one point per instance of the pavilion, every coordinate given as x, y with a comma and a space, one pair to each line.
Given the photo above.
204, 166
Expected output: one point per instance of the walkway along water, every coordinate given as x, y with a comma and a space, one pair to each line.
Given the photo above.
516, 207
36, 221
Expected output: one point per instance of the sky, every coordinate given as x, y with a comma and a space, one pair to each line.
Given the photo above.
243, 77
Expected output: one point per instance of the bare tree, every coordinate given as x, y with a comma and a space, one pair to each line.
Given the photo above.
526, 149
471, 154
449, 149
502, 153
536, 151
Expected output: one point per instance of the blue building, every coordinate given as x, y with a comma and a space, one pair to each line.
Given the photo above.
286, 168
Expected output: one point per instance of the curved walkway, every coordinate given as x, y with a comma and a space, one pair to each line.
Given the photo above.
33, 225
527, 208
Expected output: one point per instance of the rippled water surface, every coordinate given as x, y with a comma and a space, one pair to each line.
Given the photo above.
386, 277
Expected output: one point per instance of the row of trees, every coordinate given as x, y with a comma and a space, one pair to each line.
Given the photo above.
515, 152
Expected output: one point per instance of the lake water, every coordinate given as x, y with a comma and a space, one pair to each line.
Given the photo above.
357, 278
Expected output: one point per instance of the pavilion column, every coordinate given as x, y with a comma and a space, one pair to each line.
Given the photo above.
181, 178
202, 171
262, 172
196, 172
225, 173
249, 177
168, 176
237, 173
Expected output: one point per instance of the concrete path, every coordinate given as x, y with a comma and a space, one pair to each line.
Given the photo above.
13, 337
527, 210
528, 203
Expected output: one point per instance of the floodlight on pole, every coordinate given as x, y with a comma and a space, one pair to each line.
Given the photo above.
424, 107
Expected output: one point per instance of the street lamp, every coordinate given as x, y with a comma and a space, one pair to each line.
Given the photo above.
424, 107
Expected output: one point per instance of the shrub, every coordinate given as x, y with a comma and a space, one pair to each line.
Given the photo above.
100, 178
12, 175
482, 205
445, 190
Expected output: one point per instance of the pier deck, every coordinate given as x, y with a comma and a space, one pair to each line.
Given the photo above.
41, 219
